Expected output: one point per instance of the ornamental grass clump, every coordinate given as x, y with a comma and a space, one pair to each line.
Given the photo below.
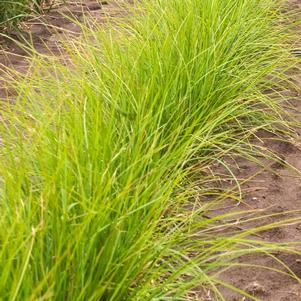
99, 153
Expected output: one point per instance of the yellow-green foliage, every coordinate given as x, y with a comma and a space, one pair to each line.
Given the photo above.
99, 154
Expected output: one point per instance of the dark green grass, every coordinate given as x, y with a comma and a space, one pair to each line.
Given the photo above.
13, 11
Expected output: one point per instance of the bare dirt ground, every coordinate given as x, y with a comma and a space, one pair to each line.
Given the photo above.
273, 188
46, 32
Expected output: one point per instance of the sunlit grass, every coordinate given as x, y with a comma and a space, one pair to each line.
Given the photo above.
101, 159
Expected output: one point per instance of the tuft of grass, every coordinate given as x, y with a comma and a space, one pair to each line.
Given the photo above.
101, 160
12, 11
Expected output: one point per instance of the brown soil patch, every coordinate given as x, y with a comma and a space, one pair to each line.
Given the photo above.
275, 189
46, 32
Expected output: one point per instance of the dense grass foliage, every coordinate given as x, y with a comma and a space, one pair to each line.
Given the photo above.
101, 182
12, 11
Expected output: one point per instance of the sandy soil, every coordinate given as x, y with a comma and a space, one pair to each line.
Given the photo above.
274, 189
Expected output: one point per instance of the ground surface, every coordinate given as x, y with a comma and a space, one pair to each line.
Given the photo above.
275, 188
46, 32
